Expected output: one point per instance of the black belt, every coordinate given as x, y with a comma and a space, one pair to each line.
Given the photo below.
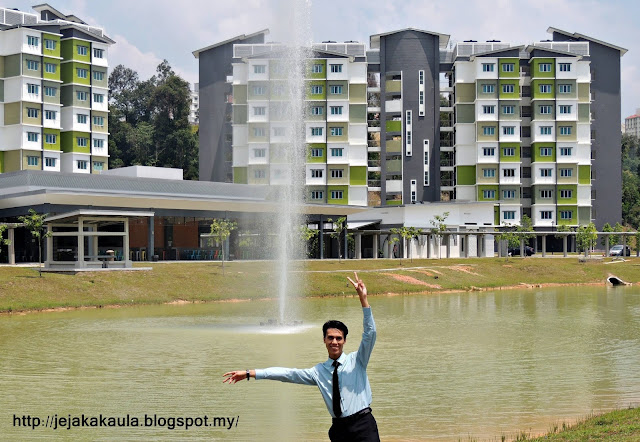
353, 417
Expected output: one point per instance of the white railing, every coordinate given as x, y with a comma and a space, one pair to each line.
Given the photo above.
12, 18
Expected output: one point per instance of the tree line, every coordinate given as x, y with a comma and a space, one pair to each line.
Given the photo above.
631, 180
149, 121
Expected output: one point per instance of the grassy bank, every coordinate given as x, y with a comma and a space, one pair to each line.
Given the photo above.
21, 288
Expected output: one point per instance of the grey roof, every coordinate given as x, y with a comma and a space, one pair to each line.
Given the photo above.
374, 40
496, 51
534, 47
196, 53
551, 30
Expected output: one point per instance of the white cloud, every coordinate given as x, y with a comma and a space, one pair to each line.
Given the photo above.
123, 52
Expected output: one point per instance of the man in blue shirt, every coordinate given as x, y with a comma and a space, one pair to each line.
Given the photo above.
342, 379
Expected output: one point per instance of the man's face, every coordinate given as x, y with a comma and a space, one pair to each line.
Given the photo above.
334, 340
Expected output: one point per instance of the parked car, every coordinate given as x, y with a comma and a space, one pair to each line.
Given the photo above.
617, 250
528, 251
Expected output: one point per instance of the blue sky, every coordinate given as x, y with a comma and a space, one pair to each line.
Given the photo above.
148, 31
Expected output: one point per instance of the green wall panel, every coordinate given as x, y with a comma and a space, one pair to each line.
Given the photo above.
345, 195
535, 67
12, 113
516, 67
320, 96
55, 52
239, 94
569, 222
358, 175
53, 146
584, 174
481, 190
12, 65
465, 92
535, 153
574, 198
466, 175
322, 159
358, 113
69, 142
317, 75
466, 113
510, 159
509, 95
357, 93
393, 126
393, 86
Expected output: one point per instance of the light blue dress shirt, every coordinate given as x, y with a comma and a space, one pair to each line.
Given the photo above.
355, 392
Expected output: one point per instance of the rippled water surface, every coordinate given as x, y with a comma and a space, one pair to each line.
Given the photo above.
444, 367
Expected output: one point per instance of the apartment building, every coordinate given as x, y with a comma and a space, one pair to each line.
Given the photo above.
632, 124
53, 92
531, 127
194, 109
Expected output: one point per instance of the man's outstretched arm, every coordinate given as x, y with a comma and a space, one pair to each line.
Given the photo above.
369, 325
293, 375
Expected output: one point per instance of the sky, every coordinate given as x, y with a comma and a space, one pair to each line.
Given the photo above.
148, 31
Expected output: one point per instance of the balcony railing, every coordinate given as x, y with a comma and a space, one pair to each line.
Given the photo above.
447, 162
374, 183
373, 163
447, 182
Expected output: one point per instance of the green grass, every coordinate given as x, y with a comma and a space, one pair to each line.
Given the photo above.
21, 288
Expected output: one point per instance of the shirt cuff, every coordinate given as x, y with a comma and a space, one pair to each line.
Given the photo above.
259, 374
366, 311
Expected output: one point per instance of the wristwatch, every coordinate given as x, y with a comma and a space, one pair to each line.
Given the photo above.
248, 375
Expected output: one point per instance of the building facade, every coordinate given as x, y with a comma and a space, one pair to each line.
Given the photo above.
53, 93
632, 124
531, 128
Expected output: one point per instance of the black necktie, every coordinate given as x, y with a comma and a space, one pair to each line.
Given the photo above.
336, 391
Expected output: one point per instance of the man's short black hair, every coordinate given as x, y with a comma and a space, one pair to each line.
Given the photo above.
335, 324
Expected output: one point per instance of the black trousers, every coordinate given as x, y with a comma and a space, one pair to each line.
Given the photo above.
360, 428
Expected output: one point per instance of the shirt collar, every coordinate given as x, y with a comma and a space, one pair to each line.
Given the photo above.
341, 359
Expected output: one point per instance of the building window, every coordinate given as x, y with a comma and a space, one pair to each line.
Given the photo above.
487, 67
565, 130
336, 194
32, 136
260, 111
508, 173
316, 131
336, 68
259, 173
82, 50
335, 90
81, 95
408, 118
98, 143
566, 173
489, 194
98, 165
81, 118
259, 68
316, 173
508, 151
488, 88
545, 130
546, 172
32, 112
336, 110
33, 41
317, 69
336, 151
546, 214
488, 130
509, 214
279, 131
565, 151
33, 88
50, 162
317, 110
565, 109
421, 97
316, 89
98, 98
546, 194
565, 67
508, 110
564, 88
50, 91
98, 121
489, 151
82, 73
317, 153
545, 152
260, 153
98, 53
508, 194
259, 90
508, 130
33, 65
508, 67
316, 194
50, 138
50, 44
545, 67
420, 77
488, 109
259, 132
336, 173
545, 88
488, 173
566, 194
566, 214
508, 88
32, 161
426, 177
50, 115
82, 141
82, 164
50, 68
545, 109
98, 75
336, 131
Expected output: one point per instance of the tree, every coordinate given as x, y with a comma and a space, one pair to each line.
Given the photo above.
407, 234
439, 227
511, 236
606, 228
305, 235
220, 231
339, 226
587, 237
35, 224
3, 242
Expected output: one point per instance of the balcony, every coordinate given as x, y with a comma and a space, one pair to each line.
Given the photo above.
373, 163
374, 183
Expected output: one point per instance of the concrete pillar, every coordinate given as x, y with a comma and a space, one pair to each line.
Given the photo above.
345, 243
389, 247
151, 240
80, 242
358, 245
125, 244
321, 237
12, 246
49, 247
522, 248
448, 244
544, 245
565, 239
606, 245
480, 246
466, 239
376, 242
